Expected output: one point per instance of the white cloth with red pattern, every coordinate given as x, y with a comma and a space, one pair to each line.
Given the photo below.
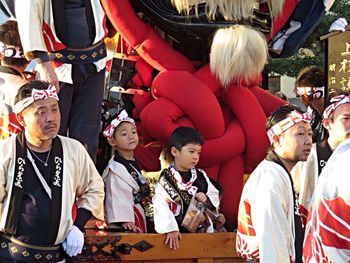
266, 216
37, 31
327, 236
165, 208
9, 86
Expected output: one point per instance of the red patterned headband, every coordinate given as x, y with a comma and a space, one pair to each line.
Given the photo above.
123, 116
336, 101
293, 118
37, 94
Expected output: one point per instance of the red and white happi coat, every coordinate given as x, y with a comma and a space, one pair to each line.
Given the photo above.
37, 31
9, 86
266, 216
120, 187
327, 236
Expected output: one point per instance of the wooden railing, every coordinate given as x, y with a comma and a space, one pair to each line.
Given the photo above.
102, 246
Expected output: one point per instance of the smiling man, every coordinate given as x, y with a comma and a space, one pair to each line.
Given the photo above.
41, 176
269, 223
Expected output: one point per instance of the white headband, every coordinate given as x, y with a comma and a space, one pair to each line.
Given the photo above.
123, 116
314, 92
10, 51
37, 94
293, 118
336, 102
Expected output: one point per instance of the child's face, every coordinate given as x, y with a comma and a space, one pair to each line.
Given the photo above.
187, 157
125, 137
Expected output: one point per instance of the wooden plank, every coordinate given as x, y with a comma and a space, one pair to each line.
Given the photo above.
216, 245
194, 248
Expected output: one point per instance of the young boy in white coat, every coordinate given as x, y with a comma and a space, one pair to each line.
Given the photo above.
179, 183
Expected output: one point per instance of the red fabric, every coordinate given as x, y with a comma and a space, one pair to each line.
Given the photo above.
9, 125
231, 121
139, 220
143, 38
49, 39
282, 18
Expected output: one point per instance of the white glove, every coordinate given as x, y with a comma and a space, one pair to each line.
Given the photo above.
338, 24
74, 242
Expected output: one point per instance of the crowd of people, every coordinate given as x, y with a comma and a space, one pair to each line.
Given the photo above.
293, 207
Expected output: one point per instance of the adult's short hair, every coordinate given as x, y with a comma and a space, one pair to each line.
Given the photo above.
9, 35
280, 114
312, 76
26, 90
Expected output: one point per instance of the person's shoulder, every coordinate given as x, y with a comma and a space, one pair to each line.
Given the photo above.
8, 141
269, 172
70, 142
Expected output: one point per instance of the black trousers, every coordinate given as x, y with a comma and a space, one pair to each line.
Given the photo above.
80, 105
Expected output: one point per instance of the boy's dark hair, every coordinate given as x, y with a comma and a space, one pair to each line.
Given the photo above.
9, 35
333, 94
311, 76
26, 90
182, 136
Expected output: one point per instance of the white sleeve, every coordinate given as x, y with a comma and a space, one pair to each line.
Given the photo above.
269, 212
29, 16
90, 188
306, 174
212, 192
3, 176
164, 219
119, 200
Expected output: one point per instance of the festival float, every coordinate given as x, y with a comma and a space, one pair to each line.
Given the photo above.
197, 63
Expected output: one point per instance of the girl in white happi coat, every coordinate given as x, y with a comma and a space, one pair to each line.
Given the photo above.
126, 189
327, 235
269, 223
179, 183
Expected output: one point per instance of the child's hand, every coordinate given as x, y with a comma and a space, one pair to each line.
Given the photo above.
131, 227
220, 221
201, 197
173, 239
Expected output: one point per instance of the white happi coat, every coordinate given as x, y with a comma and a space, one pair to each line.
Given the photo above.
9, 86
266, 216
164, 218
37, 31
327, 236
305, 175
120, 186
81, 183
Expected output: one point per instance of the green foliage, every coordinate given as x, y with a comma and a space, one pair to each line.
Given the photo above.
292, 65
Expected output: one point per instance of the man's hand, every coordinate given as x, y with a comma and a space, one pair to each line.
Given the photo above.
173, 239
338, 24
47, 73
74, 242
